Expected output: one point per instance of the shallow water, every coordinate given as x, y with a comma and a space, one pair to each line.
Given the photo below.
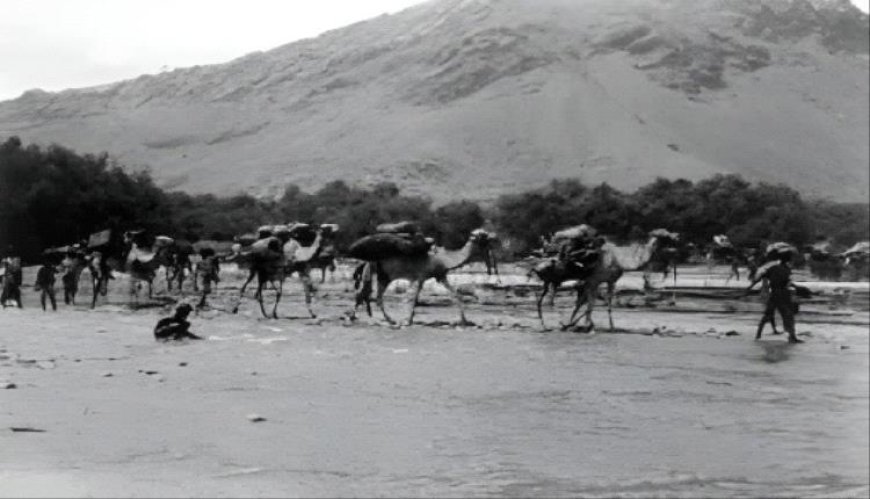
368, 410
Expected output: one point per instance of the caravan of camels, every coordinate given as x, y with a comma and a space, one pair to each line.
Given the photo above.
576, 258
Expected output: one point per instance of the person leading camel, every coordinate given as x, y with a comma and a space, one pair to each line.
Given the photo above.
12, 276
779, 279
208, 269
45, 279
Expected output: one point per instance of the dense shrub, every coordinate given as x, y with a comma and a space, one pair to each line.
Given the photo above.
53, 196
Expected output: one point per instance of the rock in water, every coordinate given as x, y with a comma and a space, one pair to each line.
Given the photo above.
255, 418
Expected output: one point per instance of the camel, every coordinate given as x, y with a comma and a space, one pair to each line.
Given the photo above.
856, 261
142, 262
724, 253
275, 258
605, 269
417, 268
175, 256
488, 244
324, 261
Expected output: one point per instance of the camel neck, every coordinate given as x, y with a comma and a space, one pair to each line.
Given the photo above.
646, 257
457, 258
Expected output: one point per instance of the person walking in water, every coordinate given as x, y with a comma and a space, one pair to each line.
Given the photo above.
778, 277
45, 278
12, 277
176, 327
209, 270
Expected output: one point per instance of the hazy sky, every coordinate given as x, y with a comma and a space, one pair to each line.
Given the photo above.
58, 44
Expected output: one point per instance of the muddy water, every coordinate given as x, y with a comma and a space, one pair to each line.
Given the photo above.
367, 410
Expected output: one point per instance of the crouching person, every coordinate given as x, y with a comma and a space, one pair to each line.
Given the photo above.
176, 327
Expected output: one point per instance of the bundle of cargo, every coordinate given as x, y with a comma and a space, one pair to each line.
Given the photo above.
859, 250
385, 245
329, 230
246, 240
98, 239
140, 237
163, 241
304, 233
580, 232
775, 250
722, 240
403, 227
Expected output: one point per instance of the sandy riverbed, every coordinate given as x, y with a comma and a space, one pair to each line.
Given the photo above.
679, 402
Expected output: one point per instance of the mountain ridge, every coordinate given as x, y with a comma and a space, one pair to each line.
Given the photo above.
474, 98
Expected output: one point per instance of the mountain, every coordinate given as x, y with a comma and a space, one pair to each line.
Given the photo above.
474, 98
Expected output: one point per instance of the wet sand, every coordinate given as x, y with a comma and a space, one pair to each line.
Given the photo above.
677, 402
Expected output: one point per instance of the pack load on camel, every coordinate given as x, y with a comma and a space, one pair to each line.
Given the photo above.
392, 239
303, 233
667, 242
775, 250
578, 245
98, 239
722, 241
860, 251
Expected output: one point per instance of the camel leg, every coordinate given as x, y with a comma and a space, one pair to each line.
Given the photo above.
673, 290
540, 301
457, 299
590, 304
260, 298
95, 284
574, 318
251, 275
611, 289
305, 277
382, 288
363, 285
415, 300
278, 291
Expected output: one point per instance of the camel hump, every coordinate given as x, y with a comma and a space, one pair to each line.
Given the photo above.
379, 246
581, 231
398, 228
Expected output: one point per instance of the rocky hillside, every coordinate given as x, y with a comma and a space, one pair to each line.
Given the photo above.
473, 98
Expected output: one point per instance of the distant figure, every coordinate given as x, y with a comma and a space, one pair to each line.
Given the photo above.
208, 269
769, 315
175, 327
778, 277
12, 277
45, 278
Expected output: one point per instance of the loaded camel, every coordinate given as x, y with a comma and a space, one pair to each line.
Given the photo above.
174, 255
604, 269
272, 258
388, 263
721, 251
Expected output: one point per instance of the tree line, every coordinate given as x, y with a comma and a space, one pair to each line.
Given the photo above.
53, 196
